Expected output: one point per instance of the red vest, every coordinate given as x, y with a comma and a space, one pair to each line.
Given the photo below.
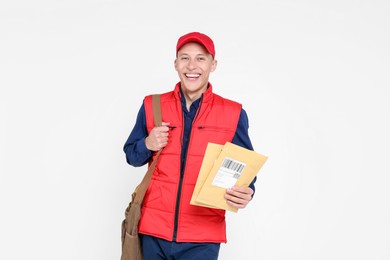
216, 121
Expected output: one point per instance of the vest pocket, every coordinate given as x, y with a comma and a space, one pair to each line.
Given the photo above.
214, 129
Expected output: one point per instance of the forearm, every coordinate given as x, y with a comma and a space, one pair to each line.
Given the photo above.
137, 154
242, 139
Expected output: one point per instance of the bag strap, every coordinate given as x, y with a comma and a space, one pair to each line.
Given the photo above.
140, 191
156, 109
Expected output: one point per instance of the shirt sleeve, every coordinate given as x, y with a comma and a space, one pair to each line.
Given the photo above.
135, 149
242, 139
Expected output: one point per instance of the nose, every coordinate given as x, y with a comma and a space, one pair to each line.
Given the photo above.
191, 64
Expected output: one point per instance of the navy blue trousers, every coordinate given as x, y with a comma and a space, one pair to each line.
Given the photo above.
156, 248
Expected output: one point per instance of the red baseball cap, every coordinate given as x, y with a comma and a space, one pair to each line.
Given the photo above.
199, 38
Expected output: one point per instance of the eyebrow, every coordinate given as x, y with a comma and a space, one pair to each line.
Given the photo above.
200, 54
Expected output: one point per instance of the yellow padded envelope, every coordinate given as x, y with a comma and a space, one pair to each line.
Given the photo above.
223, 167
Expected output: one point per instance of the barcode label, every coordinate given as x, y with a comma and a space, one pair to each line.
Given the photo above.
228, 173
233, 165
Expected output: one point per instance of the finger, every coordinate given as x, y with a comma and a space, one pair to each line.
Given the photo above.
236, 202
235, 199
245, 190
162, 129
239, 196
163, 134
239, 193
236, 205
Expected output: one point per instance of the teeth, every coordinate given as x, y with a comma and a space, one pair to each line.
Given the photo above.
192, 75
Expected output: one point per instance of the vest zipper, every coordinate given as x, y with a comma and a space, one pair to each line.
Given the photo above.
213, 128
182, 168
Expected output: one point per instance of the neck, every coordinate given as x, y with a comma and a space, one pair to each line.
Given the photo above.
191, 97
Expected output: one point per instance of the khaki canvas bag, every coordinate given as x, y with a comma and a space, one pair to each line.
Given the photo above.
131, 244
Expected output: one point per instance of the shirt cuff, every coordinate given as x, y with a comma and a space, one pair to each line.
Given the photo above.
142, 149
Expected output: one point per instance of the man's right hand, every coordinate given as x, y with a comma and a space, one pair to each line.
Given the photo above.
158, 137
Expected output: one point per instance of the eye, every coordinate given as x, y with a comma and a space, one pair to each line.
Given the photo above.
183, 58
201, 58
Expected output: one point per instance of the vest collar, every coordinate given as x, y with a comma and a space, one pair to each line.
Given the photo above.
207, 95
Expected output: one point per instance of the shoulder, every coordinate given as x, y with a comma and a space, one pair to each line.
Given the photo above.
226, 102
163, 97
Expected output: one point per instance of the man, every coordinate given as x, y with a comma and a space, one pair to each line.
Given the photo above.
192, 116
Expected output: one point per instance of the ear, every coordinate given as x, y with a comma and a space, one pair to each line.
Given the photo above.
175, 64
214, 65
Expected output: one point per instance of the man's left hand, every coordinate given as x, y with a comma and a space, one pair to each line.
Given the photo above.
238, 197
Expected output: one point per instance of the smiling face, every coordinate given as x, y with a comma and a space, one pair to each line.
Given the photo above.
194, 65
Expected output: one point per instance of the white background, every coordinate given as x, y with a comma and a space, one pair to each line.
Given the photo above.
313, 77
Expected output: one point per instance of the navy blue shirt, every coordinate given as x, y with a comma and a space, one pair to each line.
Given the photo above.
137, 154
